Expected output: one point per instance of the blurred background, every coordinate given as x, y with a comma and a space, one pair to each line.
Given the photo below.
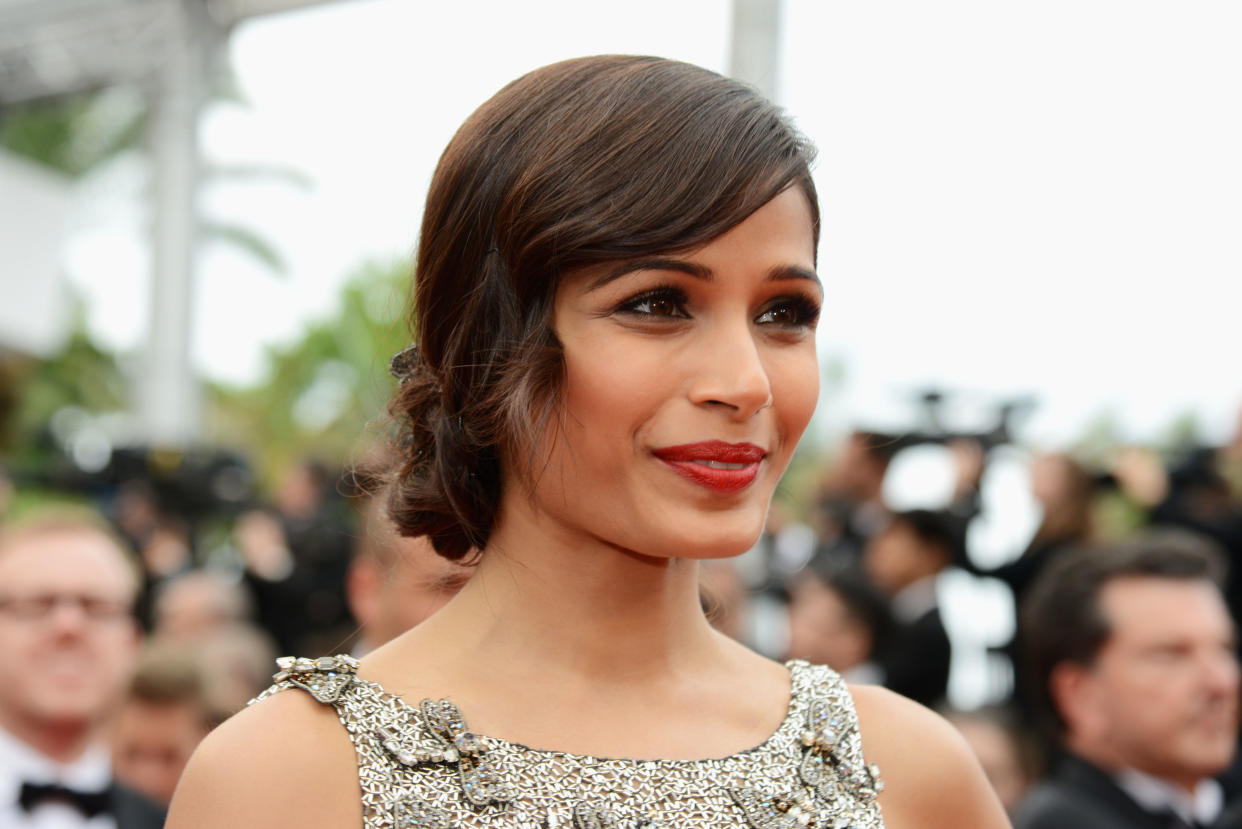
1030, 249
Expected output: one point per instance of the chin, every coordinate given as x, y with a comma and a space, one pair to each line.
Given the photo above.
70, 712
716, 540
1220, 759
1206, 760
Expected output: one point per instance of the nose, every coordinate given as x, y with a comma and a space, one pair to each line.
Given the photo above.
1222, 673
730, 372
68, 617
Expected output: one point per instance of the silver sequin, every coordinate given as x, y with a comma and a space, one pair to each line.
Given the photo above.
422, 767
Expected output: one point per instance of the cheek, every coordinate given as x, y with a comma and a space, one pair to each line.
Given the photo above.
795, 390
1145, 695
606, 397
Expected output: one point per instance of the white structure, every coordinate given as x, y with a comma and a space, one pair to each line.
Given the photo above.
754, 55
34, 210
55, 47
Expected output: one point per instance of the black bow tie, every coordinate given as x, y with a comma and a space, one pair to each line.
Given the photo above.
1176, 821
88, 803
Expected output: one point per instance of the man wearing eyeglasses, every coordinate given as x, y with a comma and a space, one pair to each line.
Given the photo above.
68, 645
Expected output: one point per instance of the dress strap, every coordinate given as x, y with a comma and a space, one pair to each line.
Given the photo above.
323, 678
834, 784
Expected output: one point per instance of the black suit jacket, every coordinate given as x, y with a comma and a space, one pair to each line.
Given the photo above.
916, 660
1080, 796
133, 811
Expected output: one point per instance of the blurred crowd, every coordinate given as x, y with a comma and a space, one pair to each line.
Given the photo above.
127, 637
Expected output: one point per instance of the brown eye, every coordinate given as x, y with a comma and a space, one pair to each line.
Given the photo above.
664, 303
791, 312
663, 307
783, 315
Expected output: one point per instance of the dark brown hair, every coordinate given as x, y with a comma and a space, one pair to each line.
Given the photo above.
168, 676
586, 161
1061, 619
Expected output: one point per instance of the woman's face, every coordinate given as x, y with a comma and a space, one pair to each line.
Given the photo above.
688, 380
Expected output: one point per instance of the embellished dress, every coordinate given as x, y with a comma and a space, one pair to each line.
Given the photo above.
420, 767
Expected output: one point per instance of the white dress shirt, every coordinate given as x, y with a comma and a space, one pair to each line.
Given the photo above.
19, 763
914, 600
1156, 795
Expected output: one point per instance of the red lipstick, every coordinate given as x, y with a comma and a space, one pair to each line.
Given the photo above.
723, 467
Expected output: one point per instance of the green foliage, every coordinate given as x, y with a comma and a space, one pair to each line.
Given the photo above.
75, 134
28, 501
1182, 433
1116, 516
326, 394
81, 376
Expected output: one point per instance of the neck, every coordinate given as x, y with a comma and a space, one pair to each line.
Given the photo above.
61, 741
594, 650
547, 603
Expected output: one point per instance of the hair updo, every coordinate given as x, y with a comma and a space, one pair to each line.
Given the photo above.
591, 160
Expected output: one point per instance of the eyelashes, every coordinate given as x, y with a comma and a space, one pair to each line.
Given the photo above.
669, 302
794, 311
666, 301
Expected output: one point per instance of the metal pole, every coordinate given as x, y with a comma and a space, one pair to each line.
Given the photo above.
169, 393
755, 53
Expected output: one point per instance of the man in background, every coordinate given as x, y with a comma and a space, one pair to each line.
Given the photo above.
1131, 651
196, 604
165, 715
904, 560
838, 618
395, 582
69, 642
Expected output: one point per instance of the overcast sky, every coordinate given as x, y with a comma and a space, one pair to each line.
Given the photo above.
1018, 198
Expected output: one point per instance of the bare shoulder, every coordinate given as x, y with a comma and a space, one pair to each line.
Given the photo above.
285, 761
931, 778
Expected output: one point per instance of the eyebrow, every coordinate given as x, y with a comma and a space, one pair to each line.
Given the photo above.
779, 273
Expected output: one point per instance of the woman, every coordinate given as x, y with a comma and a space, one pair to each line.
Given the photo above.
615, 308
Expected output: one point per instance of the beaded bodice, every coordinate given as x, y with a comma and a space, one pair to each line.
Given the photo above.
421, 768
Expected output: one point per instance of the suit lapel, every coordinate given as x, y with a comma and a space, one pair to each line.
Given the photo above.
133, 811
1097, 786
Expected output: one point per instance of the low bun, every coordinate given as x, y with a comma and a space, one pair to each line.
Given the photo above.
444, 487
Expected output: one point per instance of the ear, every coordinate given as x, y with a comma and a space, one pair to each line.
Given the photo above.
1078, 698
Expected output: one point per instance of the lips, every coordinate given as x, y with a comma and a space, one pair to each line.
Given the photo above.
714, 464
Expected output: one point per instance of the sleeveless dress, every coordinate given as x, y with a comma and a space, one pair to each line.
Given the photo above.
420, 767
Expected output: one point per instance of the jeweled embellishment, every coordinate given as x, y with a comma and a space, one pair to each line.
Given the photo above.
826, 771
416, 815
823, 767
324, 678
792, 811
449, 741
420, 752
